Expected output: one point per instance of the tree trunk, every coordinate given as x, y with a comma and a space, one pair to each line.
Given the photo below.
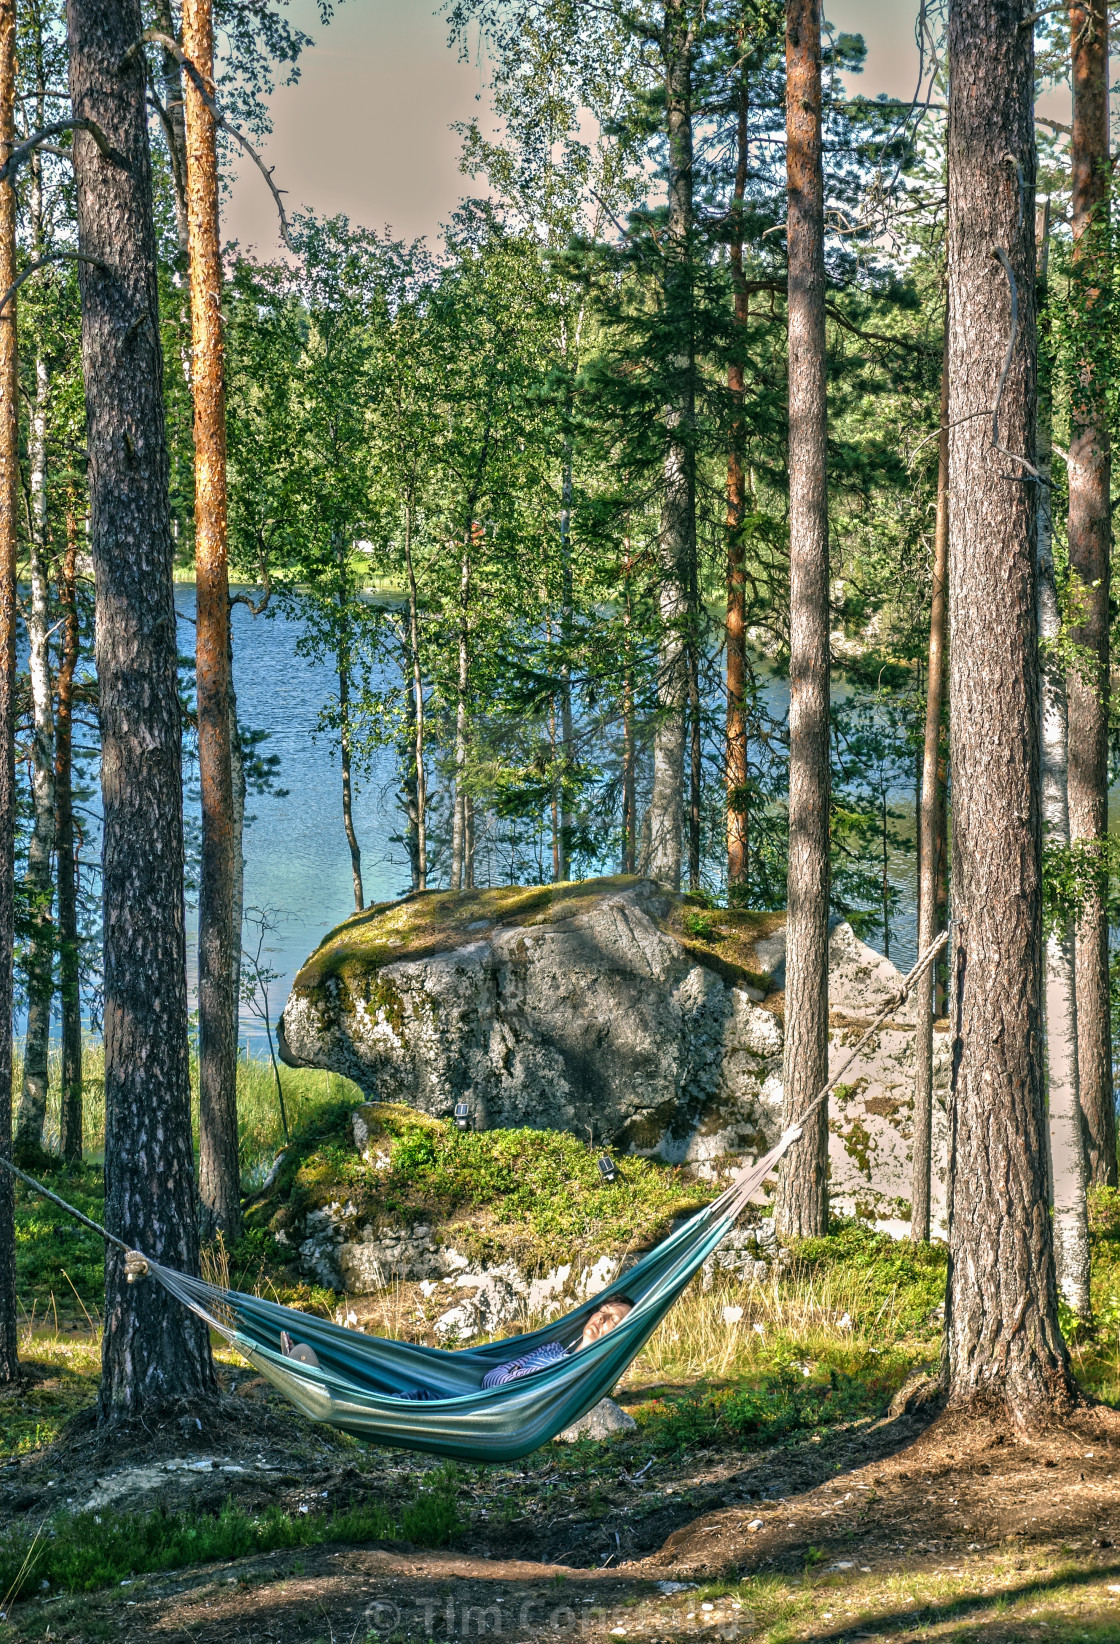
40, 948
1067, 1136
175, 131
347, 786
738, 820
1004, 1347
566, 737
70, 1103
803, 1191
342, 663
152, 1354
677, 542
1068, 1172
218, 1168
418, 710
460, 842
930, 837
1089, 558
9, 502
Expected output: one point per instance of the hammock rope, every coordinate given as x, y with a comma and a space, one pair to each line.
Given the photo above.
368, 1386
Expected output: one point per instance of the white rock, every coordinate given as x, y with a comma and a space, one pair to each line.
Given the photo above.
600, 1422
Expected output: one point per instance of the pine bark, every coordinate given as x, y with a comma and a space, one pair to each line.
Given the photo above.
40, 889
677, 537
931, 840
802, 1207
1090, 534
1004, 1347
9, 501
218, 1169
70, 1103
154, 1355
735, 759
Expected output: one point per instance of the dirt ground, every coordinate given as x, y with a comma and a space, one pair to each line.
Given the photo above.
884, 1530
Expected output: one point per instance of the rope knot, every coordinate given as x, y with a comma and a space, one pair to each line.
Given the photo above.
136, 1266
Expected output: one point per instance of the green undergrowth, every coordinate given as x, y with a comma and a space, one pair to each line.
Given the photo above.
786, 1401
88, 1550
535, 1194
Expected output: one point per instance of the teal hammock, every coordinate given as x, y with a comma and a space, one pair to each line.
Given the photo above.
361, 1383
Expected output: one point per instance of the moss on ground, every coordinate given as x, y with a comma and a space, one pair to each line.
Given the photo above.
535, 1196
437, 921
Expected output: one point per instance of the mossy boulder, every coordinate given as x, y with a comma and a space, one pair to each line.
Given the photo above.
609, 1008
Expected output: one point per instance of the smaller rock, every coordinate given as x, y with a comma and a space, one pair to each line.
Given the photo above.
605, 1419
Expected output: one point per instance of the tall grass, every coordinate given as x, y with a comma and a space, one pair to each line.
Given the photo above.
258, 1111
739, 1330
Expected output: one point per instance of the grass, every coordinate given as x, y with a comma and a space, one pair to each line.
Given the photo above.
991, 1599
82, 1551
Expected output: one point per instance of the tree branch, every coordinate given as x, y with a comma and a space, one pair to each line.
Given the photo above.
155, 37
20, 154
44, 262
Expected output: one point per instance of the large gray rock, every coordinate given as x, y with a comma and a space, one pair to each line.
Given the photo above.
609, 1009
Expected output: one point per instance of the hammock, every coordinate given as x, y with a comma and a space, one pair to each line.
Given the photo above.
361, 1383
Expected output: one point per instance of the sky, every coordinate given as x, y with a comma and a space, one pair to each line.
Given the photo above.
367, 128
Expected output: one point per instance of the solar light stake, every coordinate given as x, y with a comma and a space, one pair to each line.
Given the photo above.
607, 1168
463, 1115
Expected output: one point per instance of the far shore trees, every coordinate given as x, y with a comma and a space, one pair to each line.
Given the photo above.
153, 1353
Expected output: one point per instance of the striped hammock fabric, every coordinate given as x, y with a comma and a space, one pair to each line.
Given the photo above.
367, 1386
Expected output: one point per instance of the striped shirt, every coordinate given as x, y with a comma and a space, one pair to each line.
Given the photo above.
550, 1353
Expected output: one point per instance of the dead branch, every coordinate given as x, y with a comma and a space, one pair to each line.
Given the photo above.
21, 153
205, 89
44, 262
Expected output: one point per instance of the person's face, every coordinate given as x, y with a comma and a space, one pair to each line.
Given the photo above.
604, 1320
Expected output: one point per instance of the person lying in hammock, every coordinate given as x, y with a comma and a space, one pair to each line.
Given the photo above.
601, 1323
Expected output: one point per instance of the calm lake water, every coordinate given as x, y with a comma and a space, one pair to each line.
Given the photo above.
297, 861
297, 864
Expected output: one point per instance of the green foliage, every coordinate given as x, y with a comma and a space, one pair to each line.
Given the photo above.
783, 1402
909, 1277
90, 1550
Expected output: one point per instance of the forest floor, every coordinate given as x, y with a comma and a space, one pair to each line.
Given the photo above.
880, 1528
781, 1486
